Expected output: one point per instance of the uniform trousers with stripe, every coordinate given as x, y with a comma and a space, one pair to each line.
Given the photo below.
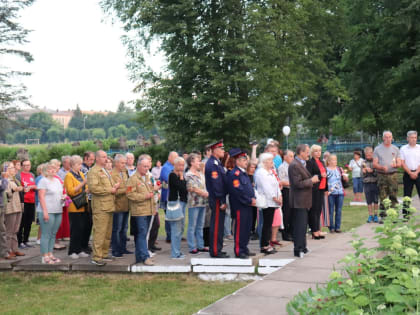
242, 229
217, 222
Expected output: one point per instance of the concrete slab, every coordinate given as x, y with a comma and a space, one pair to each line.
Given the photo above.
224, 269
267, 262
267, 270
290, 272
161, 269
240, 305
221, 262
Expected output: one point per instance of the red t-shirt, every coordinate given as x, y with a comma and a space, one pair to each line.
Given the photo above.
28, 179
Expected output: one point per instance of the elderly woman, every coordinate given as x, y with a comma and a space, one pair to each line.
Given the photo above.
177, 192
356, 168
316, 166
197, 199
51, 200
13, 213
75, 184
335, 193
268, 186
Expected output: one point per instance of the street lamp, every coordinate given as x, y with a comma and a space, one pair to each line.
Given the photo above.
286, 132
84, 122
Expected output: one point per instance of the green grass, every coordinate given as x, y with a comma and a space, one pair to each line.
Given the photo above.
80, 293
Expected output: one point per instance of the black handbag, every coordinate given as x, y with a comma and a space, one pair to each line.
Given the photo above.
80, 200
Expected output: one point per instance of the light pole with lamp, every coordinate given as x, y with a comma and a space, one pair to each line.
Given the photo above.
286, 132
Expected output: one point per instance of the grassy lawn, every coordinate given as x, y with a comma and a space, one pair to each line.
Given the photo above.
80, 293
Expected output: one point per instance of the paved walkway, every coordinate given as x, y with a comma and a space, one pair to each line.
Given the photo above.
271, 294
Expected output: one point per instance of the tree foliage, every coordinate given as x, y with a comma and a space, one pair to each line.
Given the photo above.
236, 68
12, 37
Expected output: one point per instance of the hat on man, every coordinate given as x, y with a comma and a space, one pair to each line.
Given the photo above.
237, 153
218, 144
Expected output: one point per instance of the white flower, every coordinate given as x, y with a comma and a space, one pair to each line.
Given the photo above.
381, 307
415, 272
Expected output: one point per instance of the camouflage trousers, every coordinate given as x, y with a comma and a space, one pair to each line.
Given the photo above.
388, 188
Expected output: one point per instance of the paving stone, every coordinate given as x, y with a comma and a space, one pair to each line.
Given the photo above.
289, 272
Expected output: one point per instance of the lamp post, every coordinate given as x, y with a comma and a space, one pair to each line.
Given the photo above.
84, 122
286, 132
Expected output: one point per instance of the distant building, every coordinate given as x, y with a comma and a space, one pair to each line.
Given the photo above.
62, 117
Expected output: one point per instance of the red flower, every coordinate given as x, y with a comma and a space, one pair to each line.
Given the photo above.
319, 300
359, 270
340, 282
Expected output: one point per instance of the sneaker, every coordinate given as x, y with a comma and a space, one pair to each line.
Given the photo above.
194, 252
83, 254
151, 254
375, 218
99, 263
116, 256
38, 242
148, 262
74, 256
29, 245
370, 219
108, 258
180, 257
22, 246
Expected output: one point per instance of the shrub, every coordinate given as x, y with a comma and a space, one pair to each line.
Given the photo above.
379, 280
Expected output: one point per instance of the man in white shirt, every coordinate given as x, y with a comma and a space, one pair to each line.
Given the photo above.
410, 159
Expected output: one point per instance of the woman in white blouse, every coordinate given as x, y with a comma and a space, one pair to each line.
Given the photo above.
267, 185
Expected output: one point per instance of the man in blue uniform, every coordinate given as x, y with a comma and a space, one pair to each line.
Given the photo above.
242, 199
216, 187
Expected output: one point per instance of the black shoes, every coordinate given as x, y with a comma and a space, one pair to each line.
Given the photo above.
242, 256
221, 255
155, 248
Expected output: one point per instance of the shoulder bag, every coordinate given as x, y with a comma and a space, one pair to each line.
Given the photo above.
174, 211
80, 200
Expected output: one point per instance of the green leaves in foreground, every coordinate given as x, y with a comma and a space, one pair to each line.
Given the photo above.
377, 280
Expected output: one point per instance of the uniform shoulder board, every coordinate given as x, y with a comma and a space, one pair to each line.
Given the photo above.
237, 172
216, 163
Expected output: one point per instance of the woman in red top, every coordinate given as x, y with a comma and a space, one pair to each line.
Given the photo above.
316, 166
27, 180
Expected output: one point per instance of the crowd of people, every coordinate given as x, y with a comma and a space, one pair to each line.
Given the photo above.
226, 195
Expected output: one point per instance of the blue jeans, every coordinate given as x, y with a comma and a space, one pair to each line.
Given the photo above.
163, 205
227, 224
195, 227
142, 224
177, 229
357, 184
335, 204
49, 230
119, 233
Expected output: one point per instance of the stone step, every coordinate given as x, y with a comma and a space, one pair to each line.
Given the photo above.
224, 269
221, 262
161, 269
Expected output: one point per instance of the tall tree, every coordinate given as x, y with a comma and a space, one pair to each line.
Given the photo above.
382, 64
236, 68
12, 35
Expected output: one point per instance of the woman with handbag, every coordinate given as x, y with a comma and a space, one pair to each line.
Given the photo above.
75, 184
267, 186
177, 201
335, 180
